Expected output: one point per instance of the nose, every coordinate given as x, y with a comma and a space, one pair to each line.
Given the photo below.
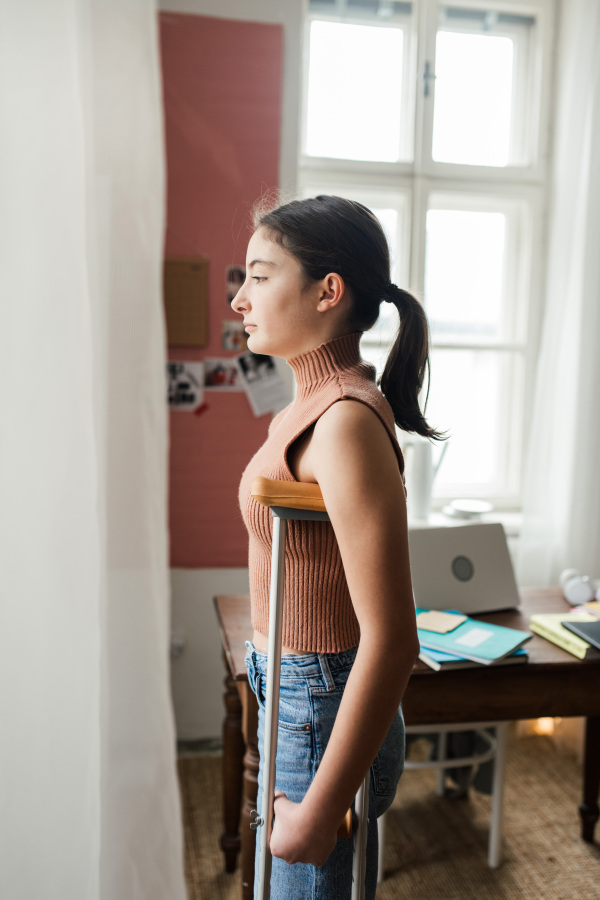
239, 303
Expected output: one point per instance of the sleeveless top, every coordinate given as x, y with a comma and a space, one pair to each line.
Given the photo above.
318, 616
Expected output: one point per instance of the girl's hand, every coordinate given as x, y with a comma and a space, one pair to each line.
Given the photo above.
294, 839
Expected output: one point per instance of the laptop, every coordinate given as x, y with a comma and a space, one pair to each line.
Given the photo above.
463, 567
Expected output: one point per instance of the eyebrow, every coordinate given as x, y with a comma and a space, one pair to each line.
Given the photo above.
264, 262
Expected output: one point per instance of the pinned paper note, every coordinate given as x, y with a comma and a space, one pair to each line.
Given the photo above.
265, 388
439, 622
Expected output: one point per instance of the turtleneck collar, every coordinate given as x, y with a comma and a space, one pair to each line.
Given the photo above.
327, 361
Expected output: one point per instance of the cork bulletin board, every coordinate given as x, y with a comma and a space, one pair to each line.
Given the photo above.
185, 292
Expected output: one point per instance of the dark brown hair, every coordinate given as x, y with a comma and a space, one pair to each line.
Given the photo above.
330, 234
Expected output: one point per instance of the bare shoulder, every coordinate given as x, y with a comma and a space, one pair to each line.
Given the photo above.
354, 422
347, 410
354, 462
350, 442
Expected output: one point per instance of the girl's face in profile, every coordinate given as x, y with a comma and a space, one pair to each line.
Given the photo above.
280, 316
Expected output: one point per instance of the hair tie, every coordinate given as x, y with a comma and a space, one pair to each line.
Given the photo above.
394, 295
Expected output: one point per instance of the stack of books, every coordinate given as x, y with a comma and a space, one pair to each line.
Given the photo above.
551, 627
451, 640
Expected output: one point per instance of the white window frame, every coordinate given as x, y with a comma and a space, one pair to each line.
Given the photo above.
411, 183
533, 89
409, 61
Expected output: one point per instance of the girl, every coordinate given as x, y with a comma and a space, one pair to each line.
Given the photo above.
317, 271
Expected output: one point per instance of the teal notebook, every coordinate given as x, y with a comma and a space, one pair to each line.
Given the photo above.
479, 641
442, 662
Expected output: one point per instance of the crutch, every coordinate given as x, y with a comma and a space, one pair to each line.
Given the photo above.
298, 501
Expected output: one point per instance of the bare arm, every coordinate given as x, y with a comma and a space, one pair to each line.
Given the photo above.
350, 456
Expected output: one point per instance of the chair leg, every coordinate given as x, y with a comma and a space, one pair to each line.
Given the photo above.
497, 796
440, 781
381, 829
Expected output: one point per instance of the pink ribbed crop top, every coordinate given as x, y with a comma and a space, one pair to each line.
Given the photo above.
318, 614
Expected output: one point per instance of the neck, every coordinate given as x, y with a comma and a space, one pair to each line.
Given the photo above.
325, 362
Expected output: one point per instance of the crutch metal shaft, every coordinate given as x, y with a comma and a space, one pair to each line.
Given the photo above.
359, 858
272, 702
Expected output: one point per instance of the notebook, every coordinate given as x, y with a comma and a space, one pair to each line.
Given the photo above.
462, 567
589, 631
442, 662
479, 641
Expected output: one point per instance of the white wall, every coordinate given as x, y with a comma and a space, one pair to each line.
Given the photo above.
197, 673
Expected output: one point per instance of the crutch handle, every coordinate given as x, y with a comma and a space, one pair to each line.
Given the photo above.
345, 829
290, 494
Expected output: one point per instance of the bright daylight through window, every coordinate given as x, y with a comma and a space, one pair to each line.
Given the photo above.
433, 116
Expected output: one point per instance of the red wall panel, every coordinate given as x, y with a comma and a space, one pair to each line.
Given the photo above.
222, 83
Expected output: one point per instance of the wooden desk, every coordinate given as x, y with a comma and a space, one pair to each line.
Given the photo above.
552, 683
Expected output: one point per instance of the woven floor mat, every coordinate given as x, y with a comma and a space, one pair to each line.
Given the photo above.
436, 848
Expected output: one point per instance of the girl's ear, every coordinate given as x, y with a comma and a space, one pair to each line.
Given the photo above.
331, 291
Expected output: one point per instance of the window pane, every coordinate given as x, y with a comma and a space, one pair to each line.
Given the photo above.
469, 397
473, 99
354, 91
464, 275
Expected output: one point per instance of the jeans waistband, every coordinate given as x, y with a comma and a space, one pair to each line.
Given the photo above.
307, 665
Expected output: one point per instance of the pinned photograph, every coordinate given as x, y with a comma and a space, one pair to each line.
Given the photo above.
185, 385
221, 374
256, 367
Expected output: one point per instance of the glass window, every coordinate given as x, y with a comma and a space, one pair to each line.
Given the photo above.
473, 301
477, 396
464, 274
473, 95
354, 109
481, 87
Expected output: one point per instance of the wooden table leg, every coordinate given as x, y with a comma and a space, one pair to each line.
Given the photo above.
591, 778
251, 764
233, 753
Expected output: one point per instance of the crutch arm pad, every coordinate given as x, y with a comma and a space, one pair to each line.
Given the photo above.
289, 494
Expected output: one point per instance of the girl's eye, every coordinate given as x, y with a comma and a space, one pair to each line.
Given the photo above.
259, 278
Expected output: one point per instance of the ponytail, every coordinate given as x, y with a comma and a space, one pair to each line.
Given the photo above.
405, 369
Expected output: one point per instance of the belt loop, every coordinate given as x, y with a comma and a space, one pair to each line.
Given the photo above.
326, 672
250, 646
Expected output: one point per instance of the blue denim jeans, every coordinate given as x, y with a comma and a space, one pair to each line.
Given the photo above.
311, 690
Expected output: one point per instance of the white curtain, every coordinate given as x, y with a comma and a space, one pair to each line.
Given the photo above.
562, 480
89, 802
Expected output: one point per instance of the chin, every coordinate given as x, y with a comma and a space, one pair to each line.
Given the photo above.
252, 344
260, 343
257, 345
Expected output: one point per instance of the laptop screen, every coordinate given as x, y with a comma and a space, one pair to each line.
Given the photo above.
463, 567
